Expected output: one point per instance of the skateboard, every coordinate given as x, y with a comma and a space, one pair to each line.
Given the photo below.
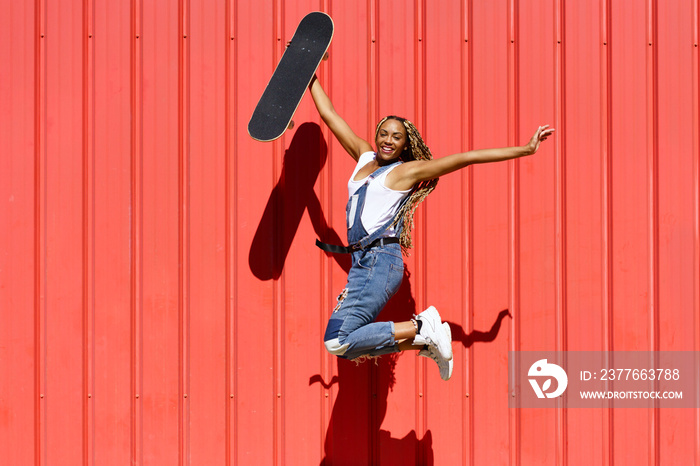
292, 76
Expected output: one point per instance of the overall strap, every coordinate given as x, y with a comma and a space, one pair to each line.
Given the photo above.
379, 171
356, 204
368, 240
374, 238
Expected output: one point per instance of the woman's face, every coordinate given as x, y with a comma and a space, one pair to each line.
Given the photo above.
391, 140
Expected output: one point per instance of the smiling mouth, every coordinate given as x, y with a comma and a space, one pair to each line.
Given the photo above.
387, 150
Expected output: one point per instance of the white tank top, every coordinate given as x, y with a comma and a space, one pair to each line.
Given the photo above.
381, 203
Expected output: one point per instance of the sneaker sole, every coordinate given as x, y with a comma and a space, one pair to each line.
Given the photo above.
448, 331
446, 353
449, 375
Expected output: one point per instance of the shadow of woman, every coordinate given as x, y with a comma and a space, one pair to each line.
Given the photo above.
354, 435
467, 340
294, 193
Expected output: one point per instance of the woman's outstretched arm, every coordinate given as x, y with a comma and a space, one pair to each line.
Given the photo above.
352, 143
410, 173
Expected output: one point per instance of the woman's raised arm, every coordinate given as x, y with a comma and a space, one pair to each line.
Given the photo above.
410, 173
351, 142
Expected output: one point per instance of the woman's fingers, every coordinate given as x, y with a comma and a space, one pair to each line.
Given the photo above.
544, 132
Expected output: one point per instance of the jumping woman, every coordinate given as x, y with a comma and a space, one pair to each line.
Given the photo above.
384, 190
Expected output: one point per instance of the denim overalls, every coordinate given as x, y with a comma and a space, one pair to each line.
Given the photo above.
374, 277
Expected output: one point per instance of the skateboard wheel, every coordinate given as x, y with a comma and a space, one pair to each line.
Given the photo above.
291, 124
325, 56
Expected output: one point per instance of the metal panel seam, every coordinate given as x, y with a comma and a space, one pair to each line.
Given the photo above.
421, 246
696, 201
373, 65
325, 199
513, 214
230, 117
88, 228
278, 283
653, 213
607, 220
40, 453
136, 233
467, 89
184, 229
373, 68
560, 213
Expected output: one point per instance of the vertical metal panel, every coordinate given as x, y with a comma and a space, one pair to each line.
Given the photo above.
560, 208
630, 207
443, 41
512, 117
535, 216
255, 261
161, 349
653, 213
606, 205
695, 15
398, 48
162, 299
492, 311
467, 285
65, 253
675, 157
112, 392
19, 406
88, 233
206, 37
584, 81
40, 232
184, 220
230, 239
346, 436
136, 227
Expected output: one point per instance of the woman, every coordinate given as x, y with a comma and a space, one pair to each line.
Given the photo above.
384, 191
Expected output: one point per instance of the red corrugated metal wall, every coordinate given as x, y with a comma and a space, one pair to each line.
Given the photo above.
161, 297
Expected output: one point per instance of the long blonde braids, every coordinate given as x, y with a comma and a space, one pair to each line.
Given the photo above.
417, 150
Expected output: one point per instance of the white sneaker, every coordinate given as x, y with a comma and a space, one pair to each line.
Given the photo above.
433, 333
444, 365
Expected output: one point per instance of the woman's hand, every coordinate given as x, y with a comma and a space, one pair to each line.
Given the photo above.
542, 133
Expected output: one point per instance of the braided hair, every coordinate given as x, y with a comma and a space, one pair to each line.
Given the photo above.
416, 150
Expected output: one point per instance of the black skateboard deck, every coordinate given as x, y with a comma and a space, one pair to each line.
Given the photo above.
292, 76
